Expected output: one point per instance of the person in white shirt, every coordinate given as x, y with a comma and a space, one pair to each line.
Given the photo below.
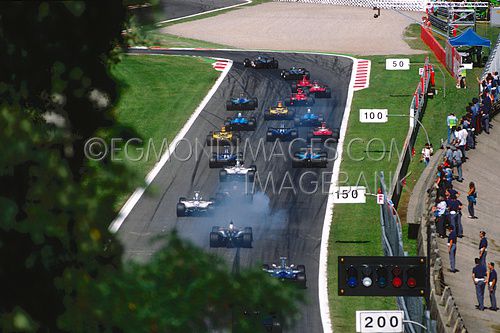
426, 154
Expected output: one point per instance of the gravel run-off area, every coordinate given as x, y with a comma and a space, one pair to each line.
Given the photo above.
305, 27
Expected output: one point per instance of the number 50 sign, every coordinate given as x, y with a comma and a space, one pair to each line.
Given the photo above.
397, 64
379, 321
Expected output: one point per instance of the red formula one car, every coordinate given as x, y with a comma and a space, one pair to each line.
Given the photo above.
314, 88
300, 98
324, 133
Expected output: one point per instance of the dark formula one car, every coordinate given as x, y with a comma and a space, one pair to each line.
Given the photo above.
294, 73
280, 111
261, 62
283, 133
234, 193
242, 103
300, 98
263, 322
309, 119
313, 88
231, 237
287, 273
238, 172
195, 206
240, 123
323, 133
309, 158
223, 137
225, 158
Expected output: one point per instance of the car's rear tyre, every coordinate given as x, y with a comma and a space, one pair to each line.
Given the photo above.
301, 268
182, 199
265, 266
294, 87
247, 240
181, 210
222, 175
215, 228
255, 103
246, 62
214, 239
275, 64
240, 155
209, 140
229, 105
328, 93
211, 210
251, 125
251, 176
212, 163
301, 279
294, 134
269, 136
248, 230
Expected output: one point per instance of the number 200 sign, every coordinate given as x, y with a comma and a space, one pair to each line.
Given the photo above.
349, 194
397, 64
379, 321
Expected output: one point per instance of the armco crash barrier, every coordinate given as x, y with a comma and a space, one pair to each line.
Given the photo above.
412, 5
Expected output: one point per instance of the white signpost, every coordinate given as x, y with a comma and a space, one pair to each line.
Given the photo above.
349, 194
373, 115
379, 321
397, 64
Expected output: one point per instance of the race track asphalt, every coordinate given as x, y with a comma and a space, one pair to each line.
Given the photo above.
287, 221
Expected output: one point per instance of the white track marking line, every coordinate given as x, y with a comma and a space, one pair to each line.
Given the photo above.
324, 305
203, 13
134, 198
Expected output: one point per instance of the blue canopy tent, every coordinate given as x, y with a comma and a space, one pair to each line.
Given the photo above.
469, 38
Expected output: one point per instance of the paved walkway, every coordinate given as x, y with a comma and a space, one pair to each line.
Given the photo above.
483, 168
305, 27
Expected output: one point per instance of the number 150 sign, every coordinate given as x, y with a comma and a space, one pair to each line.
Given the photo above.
349, 194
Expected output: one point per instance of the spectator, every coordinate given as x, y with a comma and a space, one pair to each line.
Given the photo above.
483, 247
471, 199
457, 159
485, 121
451, 122
492, 285
426, 154
440, 213
462, 141
452, 248
479, 278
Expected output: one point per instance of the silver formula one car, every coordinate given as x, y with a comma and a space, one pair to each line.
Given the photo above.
231, 236
195, 206
238, 172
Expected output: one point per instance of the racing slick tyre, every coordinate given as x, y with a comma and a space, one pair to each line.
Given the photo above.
269, 136
301, 280
182, 199
248, 230
301, 268
223, 175
294, 87
247, 240
296, 164
181, 210
240, 155
327, 93
212, 163
267, 115
215, 228
209, 140
214, 239
251, 125
253, 167
251, 176
265, 266
229, 105
255, 103
323, 162
276, 327
211, 210
274, 64
247, 62
322, 155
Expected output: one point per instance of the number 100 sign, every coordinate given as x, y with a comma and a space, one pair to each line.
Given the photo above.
373, 115
349, 194
379, 321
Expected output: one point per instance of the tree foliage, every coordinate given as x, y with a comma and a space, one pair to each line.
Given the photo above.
60, 268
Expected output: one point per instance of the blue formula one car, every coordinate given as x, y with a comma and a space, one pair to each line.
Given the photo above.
241, 123
283, 133
295, 73
242, 103
309, 158
224, 158
309, 119
286, 272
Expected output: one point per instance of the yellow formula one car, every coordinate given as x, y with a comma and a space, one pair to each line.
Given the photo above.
222, 137
278, 112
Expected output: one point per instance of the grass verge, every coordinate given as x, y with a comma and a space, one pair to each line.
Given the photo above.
158, 94
374, 148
